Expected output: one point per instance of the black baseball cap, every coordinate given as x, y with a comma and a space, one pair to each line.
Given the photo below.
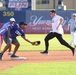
22, 23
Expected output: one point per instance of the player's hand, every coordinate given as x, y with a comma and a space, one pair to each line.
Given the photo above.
48, 24
32, 43
57, 27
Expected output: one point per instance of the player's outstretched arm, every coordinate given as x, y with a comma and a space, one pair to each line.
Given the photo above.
27, 40
68, 26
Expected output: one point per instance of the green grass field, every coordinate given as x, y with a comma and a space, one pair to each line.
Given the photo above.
51, 68
54, 44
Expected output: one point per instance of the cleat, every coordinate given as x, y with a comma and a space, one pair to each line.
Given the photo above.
1, 56
73, 51
17, 57
44, 52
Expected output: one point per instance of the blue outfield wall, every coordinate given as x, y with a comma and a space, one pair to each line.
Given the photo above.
35, 19
18, 15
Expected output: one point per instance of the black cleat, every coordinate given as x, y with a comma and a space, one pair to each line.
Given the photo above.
44, 52
73, 51
17, 57
13, 56
1, 56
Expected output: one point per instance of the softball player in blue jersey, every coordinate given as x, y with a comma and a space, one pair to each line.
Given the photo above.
7, 26
16, 30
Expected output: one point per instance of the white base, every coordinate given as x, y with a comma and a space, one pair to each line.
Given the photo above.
18, 58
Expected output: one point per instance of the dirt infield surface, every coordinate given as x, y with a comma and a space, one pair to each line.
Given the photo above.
36, 57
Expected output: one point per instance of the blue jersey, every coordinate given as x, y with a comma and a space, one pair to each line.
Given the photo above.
4, 28
72, 24
16, 31
3, 31
6, 25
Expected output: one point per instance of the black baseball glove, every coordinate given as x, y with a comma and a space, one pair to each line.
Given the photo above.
36, 43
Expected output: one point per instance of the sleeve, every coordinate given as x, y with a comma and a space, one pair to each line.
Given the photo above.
6, 25
60, 17
9, 25
16, 27
3, 30
56, 20
23, 34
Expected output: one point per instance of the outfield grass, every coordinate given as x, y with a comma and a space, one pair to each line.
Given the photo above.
58, 68
54, 44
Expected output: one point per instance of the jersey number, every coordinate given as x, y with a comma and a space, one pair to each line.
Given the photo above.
18, 33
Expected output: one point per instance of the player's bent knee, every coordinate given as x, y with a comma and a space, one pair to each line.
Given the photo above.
9, 45
17, 44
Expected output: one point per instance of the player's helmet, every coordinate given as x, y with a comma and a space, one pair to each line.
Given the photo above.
74, 14
12, 19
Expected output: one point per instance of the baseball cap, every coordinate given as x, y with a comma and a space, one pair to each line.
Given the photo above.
12, 19
22, 23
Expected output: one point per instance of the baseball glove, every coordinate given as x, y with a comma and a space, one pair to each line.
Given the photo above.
36, 43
